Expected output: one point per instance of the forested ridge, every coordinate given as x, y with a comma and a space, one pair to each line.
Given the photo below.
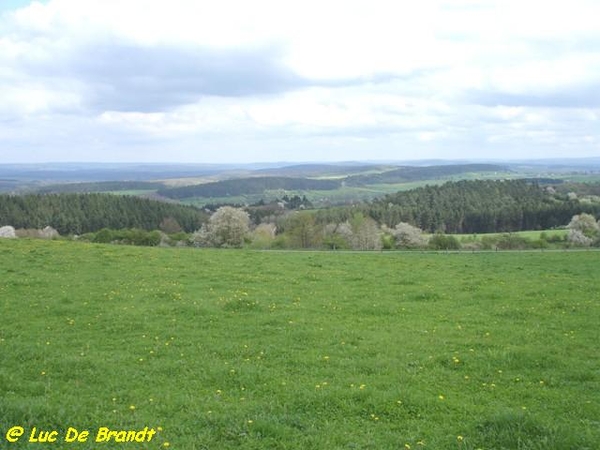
99, 186
248, 186
258, 185
415, 173
82, 213
480, 206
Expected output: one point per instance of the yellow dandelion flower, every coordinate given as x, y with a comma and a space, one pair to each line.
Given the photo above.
166, 444
132, 407
459, 438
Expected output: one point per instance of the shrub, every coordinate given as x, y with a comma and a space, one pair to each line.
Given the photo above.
509, 241
443, 242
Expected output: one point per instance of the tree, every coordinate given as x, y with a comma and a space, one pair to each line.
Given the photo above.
7, 231
443, 242
336, 236
366, 235
170, 226
264, 235
227, 227
302, 230
407, 236
583, 230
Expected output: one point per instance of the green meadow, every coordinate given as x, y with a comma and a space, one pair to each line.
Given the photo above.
217, 349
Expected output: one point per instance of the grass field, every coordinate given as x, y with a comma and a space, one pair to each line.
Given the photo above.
299, 350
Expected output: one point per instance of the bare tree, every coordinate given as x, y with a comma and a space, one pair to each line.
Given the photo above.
366, 235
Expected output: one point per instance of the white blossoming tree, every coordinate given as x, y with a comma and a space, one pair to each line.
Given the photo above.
227, 227
583, 230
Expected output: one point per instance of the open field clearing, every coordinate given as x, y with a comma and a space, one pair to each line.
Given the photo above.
300, 350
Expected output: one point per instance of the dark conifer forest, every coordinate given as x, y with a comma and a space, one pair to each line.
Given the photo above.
82, 213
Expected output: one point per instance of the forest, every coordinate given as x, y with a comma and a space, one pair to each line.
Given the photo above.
82, 213
393, 221
246, 186
481, 206
478, 206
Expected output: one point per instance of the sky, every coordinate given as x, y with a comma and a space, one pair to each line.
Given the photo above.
233, 81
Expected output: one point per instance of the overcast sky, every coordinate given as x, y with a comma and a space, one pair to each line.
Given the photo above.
310, 80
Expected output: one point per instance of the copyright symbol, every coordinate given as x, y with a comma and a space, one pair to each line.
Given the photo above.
14, 434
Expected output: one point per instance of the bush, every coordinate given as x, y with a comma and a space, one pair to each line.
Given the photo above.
443, 242
509, 241
104, 236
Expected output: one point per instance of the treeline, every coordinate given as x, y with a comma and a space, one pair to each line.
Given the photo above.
481, 206
248, 186
82, 213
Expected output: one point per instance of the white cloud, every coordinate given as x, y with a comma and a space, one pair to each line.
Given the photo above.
299, 80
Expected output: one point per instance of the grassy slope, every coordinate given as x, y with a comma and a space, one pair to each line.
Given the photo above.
236, 349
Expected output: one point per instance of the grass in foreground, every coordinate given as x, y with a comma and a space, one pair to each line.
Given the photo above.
291, 350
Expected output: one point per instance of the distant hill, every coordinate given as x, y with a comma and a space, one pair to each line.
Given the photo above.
324, 184
258, 185
323, 170
248, 186
416, 173
101, 186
